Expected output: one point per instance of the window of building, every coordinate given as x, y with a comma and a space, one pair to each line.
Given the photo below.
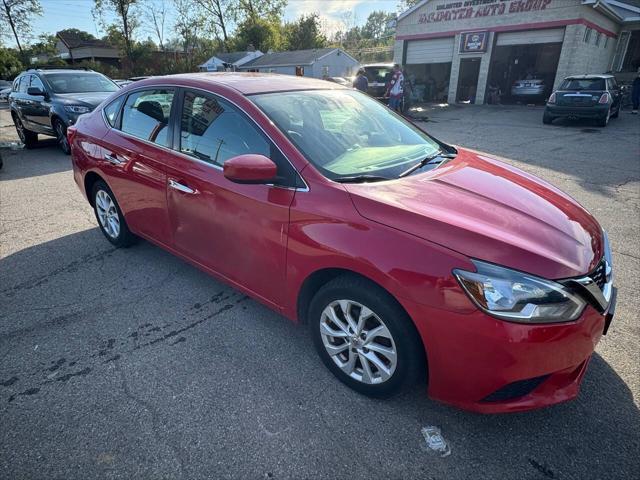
213, 131
325, 70
598, 36
606, 41
146, 115
587, 35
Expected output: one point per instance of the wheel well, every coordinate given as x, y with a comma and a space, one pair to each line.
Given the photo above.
317, 279
89, 181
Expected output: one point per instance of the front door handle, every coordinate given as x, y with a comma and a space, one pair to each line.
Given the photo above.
180, 187
112, 159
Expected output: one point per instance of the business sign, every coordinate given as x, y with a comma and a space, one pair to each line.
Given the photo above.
473, 42
466, 9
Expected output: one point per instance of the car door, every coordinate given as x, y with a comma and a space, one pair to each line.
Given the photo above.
38, 107
238, 231
134, 153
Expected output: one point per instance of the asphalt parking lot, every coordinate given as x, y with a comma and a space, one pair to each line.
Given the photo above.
132, 364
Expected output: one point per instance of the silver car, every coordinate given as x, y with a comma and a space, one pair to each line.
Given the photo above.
528, 88
4, 94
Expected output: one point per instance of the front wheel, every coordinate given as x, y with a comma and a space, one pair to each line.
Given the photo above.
547, 119
109, 216
365, 338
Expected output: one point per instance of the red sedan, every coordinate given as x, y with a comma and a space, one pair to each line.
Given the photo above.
408, 258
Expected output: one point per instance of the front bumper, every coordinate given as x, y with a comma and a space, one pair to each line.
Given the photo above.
475, 359
596, 111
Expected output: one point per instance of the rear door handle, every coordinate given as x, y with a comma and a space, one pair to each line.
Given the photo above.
181, 187
112, 159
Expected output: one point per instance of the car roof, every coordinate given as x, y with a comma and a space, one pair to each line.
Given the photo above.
247, 83
377, 65
588, 75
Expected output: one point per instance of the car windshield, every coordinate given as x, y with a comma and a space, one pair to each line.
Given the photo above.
345, 133
75, 82
583, 84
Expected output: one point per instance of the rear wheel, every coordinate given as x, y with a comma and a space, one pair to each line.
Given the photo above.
604, 121
364, 337
27, 137
109, 216
61, 136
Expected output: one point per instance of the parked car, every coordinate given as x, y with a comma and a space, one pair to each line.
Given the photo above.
401, 253
378, 75
4, 94
340, 81
122, 83
585, 96
528, 89
47, 101
5, 84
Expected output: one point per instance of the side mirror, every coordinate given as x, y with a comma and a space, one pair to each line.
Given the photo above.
250, 168
35, 92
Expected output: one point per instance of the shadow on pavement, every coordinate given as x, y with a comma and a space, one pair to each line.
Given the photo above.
44, 159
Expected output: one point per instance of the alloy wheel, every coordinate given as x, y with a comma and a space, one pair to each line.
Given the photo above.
358, 341
20, 130
107, 214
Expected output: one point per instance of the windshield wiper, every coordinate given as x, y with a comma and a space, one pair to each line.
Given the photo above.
429, 160
361, 179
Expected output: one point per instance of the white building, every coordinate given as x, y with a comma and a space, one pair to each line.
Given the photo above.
317, 63
455, 48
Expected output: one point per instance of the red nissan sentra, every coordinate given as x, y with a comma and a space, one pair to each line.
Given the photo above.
408, 258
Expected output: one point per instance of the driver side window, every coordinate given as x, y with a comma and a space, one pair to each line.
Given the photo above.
213, 130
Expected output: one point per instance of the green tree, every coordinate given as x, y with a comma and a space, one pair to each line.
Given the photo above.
406, 4
127, 20
254, 10
188, 26
220, 14
10, 64
263, 34
304, 33
378, 26
81, 34
155, 19
17, 15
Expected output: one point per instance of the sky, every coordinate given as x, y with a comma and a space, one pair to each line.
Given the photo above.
335, 14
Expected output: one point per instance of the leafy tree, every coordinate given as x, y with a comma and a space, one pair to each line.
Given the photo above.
188, 26
378, 26
254, 10
126, 21
10, 64
81, 34
304, 33
263, 34
18, 15
404, 5
220, 14
155, 16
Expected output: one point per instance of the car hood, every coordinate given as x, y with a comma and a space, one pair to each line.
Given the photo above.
488, 210
91, 99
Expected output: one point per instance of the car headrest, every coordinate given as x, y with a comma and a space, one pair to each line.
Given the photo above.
152, 109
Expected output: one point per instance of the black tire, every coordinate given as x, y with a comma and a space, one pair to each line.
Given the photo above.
617, 114
27, 137
61, 136
547, 119
410, 357
124, 237
604, 121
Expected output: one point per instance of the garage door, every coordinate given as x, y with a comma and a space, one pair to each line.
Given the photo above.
438, 50
552, 35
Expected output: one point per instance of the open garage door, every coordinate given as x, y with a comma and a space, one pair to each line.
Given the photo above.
437, 50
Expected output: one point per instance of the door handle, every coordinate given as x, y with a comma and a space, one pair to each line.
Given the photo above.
112, 159
180, 187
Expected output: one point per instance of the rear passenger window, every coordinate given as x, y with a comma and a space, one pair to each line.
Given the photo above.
111, 110
146, 115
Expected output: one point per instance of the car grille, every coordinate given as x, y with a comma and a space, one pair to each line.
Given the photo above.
599, 275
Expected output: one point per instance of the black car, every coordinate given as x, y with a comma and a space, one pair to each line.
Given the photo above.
378, 75
585, 96
44, 101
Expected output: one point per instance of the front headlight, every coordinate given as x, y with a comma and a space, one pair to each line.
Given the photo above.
517, 296
77, 109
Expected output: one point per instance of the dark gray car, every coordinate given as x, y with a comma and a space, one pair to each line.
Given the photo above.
48, 101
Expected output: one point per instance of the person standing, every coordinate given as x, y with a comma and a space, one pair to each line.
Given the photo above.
361, 83
635, 93
395, 89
